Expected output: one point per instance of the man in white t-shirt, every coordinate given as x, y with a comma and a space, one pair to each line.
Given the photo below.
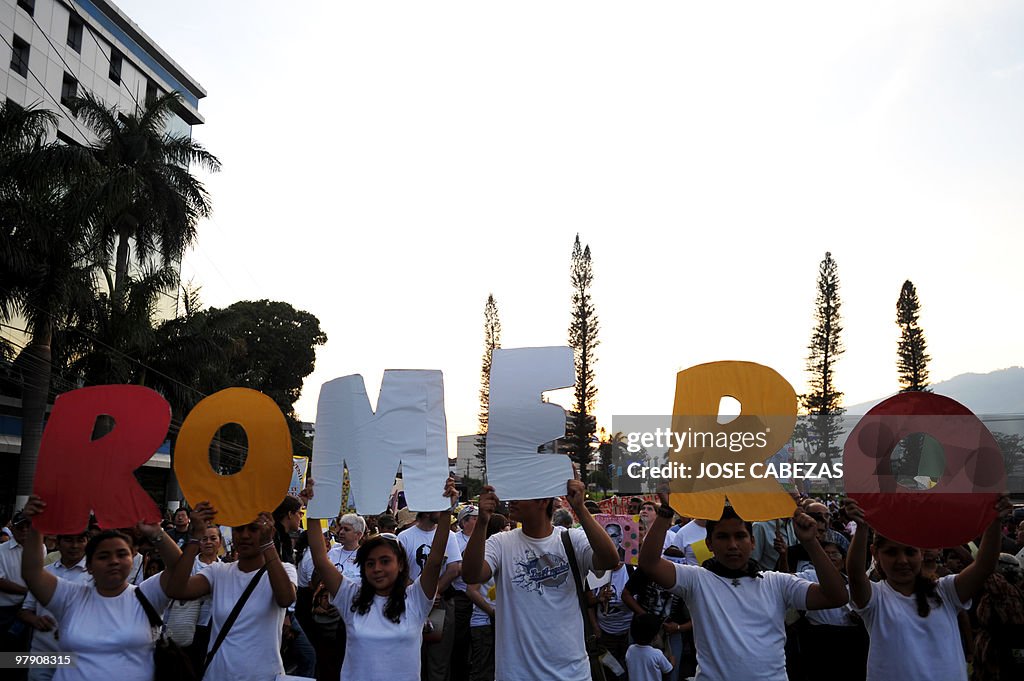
538, 623
70, 567
416, 541
463, 606
738, 611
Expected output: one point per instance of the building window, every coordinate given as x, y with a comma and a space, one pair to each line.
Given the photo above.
75, 28
152, 91
19, 57
115, 66
68, 89
28, 5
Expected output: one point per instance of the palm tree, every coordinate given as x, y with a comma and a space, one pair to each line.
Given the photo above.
147, 195
47, 257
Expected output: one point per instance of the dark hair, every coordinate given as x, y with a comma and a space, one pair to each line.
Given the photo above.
496, 524
395, 606
301, 544
644, 628
924, 587
728, 513
282, 540
386, 523
99, 538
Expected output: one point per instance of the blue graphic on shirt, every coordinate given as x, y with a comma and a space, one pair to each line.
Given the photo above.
536, 572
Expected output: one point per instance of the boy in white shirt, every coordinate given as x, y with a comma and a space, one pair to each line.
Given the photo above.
739, 612
643, 661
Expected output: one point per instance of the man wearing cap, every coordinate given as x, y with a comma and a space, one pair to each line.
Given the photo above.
463, 606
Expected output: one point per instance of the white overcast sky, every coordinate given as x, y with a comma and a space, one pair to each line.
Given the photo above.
388, 164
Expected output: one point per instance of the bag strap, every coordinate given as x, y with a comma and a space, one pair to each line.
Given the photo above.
570, 552
232, 617
155, 620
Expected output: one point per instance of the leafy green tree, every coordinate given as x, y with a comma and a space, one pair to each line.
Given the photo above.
823, 403
583, 331
47, 254
492, 341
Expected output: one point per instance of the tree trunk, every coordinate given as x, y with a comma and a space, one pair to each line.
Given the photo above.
33, 409
120, 265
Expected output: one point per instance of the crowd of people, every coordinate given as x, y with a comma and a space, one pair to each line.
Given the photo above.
516, 591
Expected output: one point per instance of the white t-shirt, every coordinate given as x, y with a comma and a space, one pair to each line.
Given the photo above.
10, 569
305, 569
740, 631
688, 534
836, 617
616, 617
111, 635
479, 618
909, 647
376, 648
44, 641
417, 543
644, 663
538, 624
345, 560
252, 648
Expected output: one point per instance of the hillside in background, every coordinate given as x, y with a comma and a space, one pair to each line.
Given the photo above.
997, 392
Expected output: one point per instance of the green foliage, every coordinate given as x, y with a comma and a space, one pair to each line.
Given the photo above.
492, 341
583, 337
822, 424
911, 351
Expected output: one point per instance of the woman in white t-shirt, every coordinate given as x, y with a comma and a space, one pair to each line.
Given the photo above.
251, 650
384, 614
911, 619
103, 621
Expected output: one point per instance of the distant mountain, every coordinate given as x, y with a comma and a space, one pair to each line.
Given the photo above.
997, 392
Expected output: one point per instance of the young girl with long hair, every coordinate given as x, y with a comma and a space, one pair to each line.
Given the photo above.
911, 618
384, 611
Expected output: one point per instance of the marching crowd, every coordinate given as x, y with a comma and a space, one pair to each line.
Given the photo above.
500, 591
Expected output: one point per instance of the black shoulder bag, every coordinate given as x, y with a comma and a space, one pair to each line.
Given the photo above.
594, 649
172, 664
232, 617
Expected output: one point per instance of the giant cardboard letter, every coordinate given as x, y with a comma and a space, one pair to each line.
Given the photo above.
263, 481
76, 474
960, 506
767, 406
408, 428
518, 422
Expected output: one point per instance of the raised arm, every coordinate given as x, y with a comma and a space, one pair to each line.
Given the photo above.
663, 572
178, 581
830, 591
328, 571
970, 580
40, 582
280, 582
475, 569
857, 556
606, 556
169, 552
429, 578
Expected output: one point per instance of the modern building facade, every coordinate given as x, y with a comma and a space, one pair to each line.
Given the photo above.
51, 50
57, 49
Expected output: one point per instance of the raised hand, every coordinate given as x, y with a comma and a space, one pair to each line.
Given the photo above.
804, 527
576, 495
307, 492
34, 507
450, 492
853, 511
488, 501
201, 518
266, 525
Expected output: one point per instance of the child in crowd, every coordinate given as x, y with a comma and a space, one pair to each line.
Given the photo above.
912, 620
643, 661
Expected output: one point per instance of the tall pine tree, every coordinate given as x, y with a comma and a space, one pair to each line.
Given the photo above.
911, 356
492, 341
583, 339
912, 365
823, 403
